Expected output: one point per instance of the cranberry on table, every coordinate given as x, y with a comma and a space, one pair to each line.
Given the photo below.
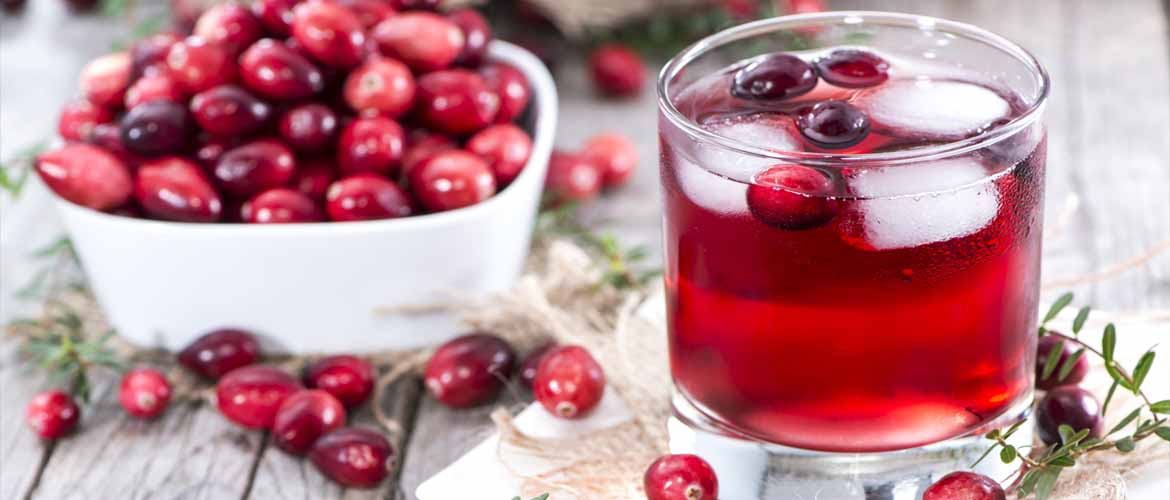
280, 206
452, 179
1044, 349
231, 25
380, 86
348, 378
229, 110
313, 177
198, 64
275, 15
476, 35
156, 128
250, 395
853, 68
254, 167
78, 118
174, 188
792, 197
774, 77
149, 55
469, 370
105, 79
964, 485
153, 87
1071, 406
370, 144
220, 351
615, 155
52, 414
532, 362
833, 124
144, 393
309, 127
680, 477
369, 12
572, 177
329, 32
506, 149
366, 197
356, 457
423, 40
415, 4
86, 175
617, 70
455, 101
304, 417
275, 71
569, 383
511, 86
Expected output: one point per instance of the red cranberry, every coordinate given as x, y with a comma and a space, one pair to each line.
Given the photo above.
423, 149
173, 188
380, 87
505, 147
86, 175
250, 395
228, 110
254, 167
313, 177
144, 393
1071, 406
215, 353
572, 177
78, 119
853, 68
615, 155
148, 55
275, 15
230, 25
280, 205
423, 40
469, 370
105, 79
617, 71
348, 378
304, 417
366, 197
452, 179
354, 456
309, 127
415, 4
774, 77
52, 414
370, 144
792, 197
1044, 349
153, 87
329, 32
680, 477
833, 124
273, 70
964, 485
512, 88
108, 136
532, 362
198, 64
210, 149
569, 383
456, 101
369, 12
476, 35
156, 128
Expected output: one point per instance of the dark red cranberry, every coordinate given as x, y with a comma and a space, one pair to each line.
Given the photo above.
506, 149
381, 86
456, 101
144, 393
313, 177
304, 417
82, 5
52, 414
774, 77
348, 378
174, 188
833, 124
469, 370
615, 155
309, 127
280, 206
370, 144
569, 383
230, 25
572, 177
329, 32
198, 64
369, 12
617, 70
853, 68
355, 457
250, 395
108, 136
228, 110
86, 175
423, 40
256, 166
275, 71
452, 179
275, 15
153, 87
12, 5
416, 4
366, 197
420, 150
1071, 406
105, 79
792, 197
532, 362
215, 353
78, 118
680, 477
964, 485
512, 88
1043, 350
476, 35
156, 128
149, 55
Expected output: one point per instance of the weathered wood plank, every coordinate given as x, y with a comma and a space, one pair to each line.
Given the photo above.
22, 454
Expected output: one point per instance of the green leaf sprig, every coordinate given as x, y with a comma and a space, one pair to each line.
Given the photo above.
541, 497
14, 173
59, 344
623, 266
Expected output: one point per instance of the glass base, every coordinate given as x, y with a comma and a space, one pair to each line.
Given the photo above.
749, 469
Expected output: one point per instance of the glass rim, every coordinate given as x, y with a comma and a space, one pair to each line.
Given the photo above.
952, 148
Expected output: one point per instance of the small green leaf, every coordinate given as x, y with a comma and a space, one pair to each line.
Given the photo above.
1028, 483
1012, 430
1163, 432
1079, 321
1007, 454
1068, 365
1065, 461
1066, 433
1162, 407
1060, 304
1046, 482
1109, 342
1133, 415
993, 434
1109, 397
1052, 361
1125, 445
1141, 370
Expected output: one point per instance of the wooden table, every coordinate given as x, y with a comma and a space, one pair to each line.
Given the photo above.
1109, 146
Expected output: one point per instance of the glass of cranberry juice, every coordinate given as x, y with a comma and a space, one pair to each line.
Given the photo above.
853, 207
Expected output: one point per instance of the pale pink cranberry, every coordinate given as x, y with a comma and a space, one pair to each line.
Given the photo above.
198, 64
329, 32
52, 414
304, 417
144, 393
230, 25
228, 110
86, 175
275, 15
355, 457
792, 197
157, 128
452, 179
218, 352
527, 373
78, 119
253, 167
148, 55
455, 101
476, 35
173, 188
313, 177
617, 71
569, 383
615, 155
250, 395
512, 88
154, 87
423, 40
469, 370
105, 79
309, 127
369, 12
422, 148
275, 71
505, 147
964, 485
381, 86
572, 177
370, 144
348, 378
680, 477
280, 206
366, 197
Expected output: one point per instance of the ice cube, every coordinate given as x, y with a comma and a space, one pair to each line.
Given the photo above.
775, 132
710, 191
932, 109
914, 205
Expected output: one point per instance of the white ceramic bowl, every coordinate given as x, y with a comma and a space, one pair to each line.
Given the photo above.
309, 288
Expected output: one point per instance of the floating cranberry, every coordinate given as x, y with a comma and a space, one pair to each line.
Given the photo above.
617, 70
381, 86
304, 417
569, 383
1071, 406
505, 147
280, 206
366, 197
156, 128
78, 119
512, 88
173, 188
153, 87
86, 175
680, 477
853, 68
416, 4
369, 12
792, 197
275, 15
964, 485
452, 179
833, 124
144, 393
273, 70
254, 167
370, 144
215, 353
1043, 350
309, 127
615, 155
572, 177
250, 395
476, 35
456, 101
469, 370
228, 110
348, 378
354, 456
532, 362
329, 32
774, 77
52, 414
198, 64
420, 150
423, 40
230, 25
149, 55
